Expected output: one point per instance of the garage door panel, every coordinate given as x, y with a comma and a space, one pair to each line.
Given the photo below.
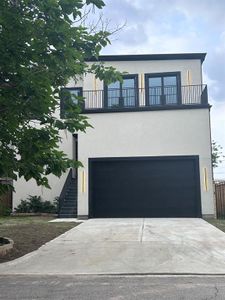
145, 187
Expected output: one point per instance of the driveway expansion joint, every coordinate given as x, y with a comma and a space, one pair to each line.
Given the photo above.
142, 230
128, 247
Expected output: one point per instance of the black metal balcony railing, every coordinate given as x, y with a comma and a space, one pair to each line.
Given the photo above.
155, 97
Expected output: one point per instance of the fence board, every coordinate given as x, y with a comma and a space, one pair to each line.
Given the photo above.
220, 199
5, 199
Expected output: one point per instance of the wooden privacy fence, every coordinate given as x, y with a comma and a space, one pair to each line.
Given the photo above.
220, 199
5, 199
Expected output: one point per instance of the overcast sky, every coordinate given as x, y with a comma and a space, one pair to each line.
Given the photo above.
174, 26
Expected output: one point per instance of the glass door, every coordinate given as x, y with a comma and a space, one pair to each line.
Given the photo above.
162, 88
123, 94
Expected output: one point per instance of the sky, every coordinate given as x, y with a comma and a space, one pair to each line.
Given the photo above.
176, 26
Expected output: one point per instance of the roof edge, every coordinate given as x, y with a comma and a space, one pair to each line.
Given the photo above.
139, 57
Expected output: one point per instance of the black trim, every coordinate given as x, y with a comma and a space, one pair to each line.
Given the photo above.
75, 136
162, 75
129, 158
138, 158
136, 57
146, 108
75, 153
127, 76
80, 89
204, 96
90, 195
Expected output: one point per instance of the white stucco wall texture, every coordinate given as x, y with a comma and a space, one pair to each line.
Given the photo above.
149, 133
141, 133
23, 188
190, 70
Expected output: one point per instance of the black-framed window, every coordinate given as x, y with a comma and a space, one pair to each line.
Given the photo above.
123, 94
163, 88
64, 99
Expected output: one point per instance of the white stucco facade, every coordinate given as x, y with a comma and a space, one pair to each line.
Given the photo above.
190, 70
174, 132
149, 133
23, 188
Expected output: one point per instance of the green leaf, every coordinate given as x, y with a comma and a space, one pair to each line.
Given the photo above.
41, 49
97, 3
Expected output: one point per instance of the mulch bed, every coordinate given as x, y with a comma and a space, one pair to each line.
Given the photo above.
29, 237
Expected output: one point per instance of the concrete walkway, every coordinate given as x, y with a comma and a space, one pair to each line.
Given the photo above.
129, 246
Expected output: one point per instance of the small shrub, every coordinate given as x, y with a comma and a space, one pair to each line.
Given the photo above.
24, 207
49, 207
35, 204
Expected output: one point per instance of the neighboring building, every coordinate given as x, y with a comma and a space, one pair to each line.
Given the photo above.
149, 151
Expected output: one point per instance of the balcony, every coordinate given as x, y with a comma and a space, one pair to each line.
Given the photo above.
137, 99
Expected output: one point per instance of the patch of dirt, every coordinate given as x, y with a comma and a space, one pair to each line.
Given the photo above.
29, 237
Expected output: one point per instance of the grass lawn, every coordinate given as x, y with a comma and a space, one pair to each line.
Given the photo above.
219, 223
29, 233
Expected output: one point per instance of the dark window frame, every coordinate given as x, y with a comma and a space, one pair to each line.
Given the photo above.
162, 75
121, 103
62, 104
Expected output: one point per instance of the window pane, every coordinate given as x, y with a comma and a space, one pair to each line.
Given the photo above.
128, 97
128, 83
170, 89
74, 93
155, 81
128, 92
170, 93
170, 80
113, 97
114, 85
155, 95
155, 90
113, 94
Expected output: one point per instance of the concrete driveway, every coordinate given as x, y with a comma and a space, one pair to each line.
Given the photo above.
129, 246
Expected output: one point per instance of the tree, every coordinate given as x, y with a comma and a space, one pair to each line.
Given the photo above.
217, 154
42, 45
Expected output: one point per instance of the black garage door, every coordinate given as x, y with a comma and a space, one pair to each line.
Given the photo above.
144, 187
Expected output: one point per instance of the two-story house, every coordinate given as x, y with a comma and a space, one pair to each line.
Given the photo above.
149, 151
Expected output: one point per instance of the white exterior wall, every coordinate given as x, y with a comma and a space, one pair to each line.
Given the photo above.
23, 188
156, 66
148, 133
